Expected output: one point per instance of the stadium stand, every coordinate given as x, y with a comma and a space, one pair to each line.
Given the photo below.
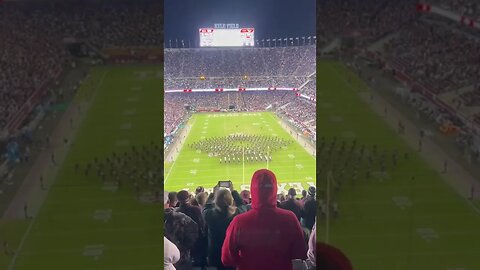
33, 52
463, 7
431, 48
290, 67
34, 57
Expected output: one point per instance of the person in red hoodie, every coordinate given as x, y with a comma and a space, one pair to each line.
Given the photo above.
266, 237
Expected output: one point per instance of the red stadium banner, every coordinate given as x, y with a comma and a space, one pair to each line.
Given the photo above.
424, 8
136, 54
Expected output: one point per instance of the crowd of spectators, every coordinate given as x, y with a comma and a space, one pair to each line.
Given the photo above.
289, 67
471, 98
468, 8
228, 229
240, 62
441, 59
368, 20
32, 48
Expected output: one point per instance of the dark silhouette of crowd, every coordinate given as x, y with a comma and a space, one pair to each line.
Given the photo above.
32, 51
227, 229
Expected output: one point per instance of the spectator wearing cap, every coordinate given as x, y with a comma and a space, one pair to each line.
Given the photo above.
265, 237
219, 212
194, 212
292, 204
309, 209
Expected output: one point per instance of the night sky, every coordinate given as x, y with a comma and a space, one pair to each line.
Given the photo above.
270, 18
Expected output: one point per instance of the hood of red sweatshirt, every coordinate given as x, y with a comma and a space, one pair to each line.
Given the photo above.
264, 189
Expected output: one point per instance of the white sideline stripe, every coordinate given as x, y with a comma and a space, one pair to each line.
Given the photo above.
180, 150
27, 232
20, 246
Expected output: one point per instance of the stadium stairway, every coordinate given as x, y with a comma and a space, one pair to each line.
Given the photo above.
334, 44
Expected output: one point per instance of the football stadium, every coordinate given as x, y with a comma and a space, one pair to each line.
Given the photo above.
397, 146
238, 100
81, 92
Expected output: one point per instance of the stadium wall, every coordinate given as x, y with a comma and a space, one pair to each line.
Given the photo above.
136, 54
35, 98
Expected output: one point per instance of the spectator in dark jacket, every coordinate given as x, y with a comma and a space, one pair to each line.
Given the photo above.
185, 207
218, 216
309, 209
182, 231
265, 237
292, 204
194, 212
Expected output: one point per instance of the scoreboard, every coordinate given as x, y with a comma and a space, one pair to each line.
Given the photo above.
217, 37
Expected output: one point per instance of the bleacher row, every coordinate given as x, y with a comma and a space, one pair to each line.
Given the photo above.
440, 54
32, 49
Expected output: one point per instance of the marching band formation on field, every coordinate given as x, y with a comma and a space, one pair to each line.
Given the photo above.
237, 148
141, 166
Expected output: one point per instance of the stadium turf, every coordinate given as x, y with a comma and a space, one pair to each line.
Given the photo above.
391, 222
83, 224
293, 166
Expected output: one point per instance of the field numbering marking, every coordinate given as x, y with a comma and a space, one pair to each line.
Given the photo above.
427, 234
94, 251
102, 214
129, 112
402, 201
110, 186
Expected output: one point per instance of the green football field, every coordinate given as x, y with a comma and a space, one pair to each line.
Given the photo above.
87, 224
293, 166
388, 221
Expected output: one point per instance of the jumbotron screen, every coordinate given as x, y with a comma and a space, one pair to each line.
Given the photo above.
213, 37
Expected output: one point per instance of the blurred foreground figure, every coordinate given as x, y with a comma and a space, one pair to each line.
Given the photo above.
171, 254
331, 258
266, 237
